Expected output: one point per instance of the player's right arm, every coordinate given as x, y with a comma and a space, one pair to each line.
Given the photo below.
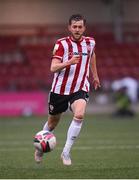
57, 65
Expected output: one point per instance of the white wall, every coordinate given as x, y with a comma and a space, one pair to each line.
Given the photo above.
58, 11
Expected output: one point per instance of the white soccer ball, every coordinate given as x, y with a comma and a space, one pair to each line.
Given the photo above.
45, 141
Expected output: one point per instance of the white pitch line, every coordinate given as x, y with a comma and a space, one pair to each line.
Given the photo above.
108, 147
93, 143
115, 147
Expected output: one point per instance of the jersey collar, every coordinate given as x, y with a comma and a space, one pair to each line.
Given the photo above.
70, 37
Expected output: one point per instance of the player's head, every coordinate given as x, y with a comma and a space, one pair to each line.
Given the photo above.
77, 26
77, 17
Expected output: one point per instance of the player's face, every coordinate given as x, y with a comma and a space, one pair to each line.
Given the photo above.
77, 29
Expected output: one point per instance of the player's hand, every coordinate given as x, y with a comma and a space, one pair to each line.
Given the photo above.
96, 83
75, 59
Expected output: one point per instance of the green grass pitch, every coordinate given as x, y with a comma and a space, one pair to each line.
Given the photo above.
107, 148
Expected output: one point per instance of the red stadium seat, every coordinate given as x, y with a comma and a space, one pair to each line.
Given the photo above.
29, 70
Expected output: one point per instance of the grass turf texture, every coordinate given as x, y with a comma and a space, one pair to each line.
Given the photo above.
107, 148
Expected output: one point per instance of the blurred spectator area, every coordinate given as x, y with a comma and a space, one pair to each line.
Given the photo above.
25, 54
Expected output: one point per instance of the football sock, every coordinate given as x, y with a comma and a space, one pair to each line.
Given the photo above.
45, 127
72, 134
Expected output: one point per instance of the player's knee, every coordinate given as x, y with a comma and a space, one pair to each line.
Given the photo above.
79, 116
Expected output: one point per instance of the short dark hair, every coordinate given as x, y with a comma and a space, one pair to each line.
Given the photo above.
77, 17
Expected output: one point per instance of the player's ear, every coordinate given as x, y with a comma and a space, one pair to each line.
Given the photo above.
84, 28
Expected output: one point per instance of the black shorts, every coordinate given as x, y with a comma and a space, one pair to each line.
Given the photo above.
60, 103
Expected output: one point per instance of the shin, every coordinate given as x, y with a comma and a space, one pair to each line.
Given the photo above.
52, 122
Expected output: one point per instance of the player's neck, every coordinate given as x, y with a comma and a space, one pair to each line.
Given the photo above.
76, 40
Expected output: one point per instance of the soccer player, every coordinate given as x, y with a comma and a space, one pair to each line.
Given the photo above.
73, 56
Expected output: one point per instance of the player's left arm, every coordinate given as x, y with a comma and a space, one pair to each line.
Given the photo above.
96, 82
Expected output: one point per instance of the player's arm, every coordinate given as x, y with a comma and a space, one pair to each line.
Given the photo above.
57, 65
96, 82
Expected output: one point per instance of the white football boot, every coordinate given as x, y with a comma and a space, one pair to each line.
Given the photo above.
66, 159
38, 156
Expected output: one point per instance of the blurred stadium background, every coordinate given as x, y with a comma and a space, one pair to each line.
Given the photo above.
28, 31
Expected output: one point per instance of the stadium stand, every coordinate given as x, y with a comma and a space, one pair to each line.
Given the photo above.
25, 58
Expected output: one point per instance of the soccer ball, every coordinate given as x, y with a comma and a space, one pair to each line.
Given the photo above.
45, 141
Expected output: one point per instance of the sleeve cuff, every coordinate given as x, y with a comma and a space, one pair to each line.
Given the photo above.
58, 57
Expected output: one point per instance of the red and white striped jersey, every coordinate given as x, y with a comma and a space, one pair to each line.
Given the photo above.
75, 77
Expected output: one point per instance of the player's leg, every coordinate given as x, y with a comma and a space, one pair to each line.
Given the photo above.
78, 107
57, 105
49, 126
52, 122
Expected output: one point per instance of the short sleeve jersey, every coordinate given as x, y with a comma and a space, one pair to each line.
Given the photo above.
74, 77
